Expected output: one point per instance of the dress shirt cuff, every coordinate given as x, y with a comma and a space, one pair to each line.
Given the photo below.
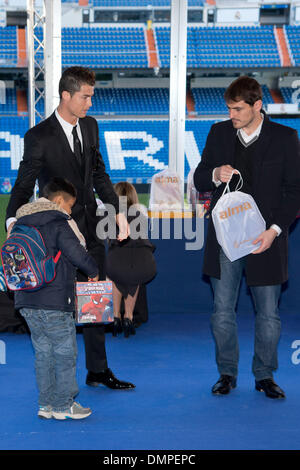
277, 229
9, 221
214, 180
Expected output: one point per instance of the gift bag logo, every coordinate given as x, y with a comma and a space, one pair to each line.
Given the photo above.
234, 210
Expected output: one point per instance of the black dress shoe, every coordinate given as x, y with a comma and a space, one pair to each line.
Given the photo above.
117, 326
128, 327
224, 385
108, 379
271, 389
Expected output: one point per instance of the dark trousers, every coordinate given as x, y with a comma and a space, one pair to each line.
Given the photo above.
94, 335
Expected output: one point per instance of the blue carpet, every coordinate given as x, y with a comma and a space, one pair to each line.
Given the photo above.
171, 361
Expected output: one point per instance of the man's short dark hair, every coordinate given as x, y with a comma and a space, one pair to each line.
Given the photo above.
73, 78
244, 89
59, 186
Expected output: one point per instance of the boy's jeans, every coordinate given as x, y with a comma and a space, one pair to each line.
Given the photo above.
53, 336
224, 327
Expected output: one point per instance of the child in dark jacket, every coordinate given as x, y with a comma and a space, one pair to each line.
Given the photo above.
49, 310
129, 263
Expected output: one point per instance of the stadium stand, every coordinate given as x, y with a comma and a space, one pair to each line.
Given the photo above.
125, 47
293, 36
211, 100
8, 46
267, 97
137, 147
125, 101
287, 94
145, 101
131, 101
138, 3
8, 106
105, 47
223, 46
211, 47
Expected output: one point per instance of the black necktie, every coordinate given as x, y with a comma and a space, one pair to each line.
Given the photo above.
77, 146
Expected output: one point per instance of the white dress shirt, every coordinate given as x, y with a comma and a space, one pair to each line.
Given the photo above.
68, 128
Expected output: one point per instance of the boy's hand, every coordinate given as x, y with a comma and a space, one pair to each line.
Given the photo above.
93, 279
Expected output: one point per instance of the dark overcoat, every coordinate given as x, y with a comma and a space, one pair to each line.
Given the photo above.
275, 188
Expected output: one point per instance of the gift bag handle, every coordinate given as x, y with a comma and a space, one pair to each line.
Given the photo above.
238, 186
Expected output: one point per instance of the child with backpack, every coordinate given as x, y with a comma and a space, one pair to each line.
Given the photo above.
48, 310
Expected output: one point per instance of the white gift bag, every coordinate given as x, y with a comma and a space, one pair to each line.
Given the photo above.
238, 222
165, 192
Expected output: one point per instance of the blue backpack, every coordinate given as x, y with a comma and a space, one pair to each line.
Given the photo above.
26, 265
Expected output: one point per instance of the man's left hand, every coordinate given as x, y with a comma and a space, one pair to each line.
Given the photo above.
266, 239
124, 230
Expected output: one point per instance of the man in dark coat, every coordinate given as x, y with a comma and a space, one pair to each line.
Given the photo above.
267, 155
67, 145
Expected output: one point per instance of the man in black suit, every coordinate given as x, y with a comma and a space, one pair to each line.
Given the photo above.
66, 145
267, 155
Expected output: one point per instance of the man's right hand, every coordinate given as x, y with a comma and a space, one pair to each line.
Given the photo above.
10, 229
223, 173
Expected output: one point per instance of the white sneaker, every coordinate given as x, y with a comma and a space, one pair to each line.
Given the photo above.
45, 412
76, 411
